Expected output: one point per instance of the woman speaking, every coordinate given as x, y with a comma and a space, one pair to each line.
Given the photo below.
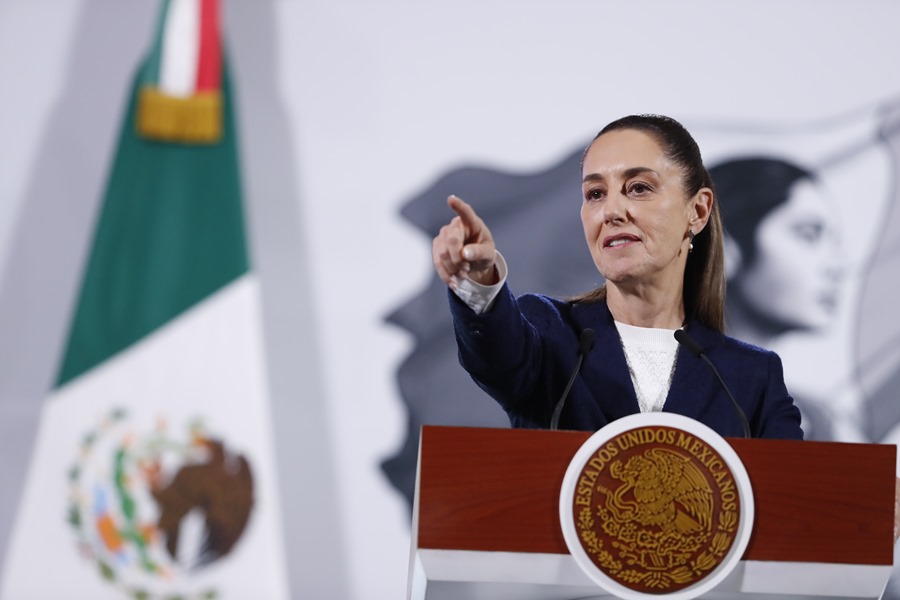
653, 229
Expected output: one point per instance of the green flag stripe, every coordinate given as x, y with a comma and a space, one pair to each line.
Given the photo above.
154, 60
170, 233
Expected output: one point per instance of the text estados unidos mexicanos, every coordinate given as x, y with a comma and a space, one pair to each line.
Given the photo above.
672, 437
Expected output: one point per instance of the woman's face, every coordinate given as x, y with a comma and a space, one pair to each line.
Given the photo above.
634, 212
793, 281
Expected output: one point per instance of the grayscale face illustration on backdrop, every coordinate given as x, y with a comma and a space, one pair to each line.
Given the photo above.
782, 243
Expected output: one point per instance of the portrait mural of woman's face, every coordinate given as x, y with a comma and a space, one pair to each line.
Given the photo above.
792, 279
782, 248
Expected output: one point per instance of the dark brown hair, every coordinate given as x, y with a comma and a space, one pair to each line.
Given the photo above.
704, 274
751, 188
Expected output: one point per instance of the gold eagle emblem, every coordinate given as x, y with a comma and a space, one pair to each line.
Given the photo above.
662, 488
656, 515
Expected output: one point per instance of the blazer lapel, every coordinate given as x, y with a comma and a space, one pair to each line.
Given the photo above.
692, 384
605, 371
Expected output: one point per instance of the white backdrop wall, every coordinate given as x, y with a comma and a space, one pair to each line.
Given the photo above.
347, 110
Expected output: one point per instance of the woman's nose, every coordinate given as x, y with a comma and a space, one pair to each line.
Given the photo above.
836, 264
614, 209
835, 269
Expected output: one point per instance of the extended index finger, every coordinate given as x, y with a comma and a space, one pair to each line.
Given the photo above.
470, 218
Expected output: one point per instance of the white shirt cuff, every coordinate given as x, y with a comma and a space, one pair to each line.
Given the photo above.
480, 297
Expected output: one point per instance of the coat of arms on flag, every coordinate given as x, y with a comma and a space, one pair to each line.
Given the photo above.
155, 446
149, 505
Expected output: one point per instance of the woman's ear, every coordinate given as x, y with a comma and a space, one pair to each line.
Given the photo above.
701, 207
734, 258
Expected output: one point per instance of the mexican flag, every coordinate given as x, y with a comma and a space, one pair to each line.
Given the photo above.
153, 474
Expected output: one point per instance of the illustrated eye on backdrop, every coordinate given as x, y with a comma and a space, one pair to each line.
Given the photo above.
810, 231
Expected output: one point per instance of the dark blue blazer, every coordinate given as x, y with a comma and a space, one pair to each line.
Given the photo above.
523, 351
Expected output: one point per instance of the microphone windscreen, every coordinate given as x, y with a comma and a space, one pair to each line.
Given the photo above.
688, 342
586, 341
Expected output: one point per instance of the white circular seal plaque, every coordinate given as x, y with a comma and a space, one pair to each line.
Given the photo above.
656, 504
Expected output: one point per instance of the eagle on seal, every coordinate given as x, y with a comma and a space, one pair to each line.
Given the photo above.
662, 488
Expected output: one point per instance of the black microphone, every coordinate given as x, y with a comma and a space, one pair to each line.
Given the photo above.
694, 348
585, 343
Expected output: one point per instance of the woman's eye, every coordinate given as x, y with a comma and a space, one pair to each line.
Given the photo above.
810, 232
639, 188
594, 194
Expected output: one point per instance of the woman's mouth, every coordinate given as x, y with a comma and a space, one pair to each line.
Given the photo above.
829, 301
620, 240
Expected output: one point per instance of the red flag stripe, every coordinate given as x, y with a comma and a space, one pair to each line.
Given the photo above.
209, 67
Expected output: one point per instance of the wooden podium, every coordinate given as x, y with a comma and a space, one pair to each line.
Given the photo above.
486, 518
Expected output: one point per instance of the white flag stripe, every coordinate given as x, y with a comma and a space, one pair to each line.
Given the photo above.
180, 48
